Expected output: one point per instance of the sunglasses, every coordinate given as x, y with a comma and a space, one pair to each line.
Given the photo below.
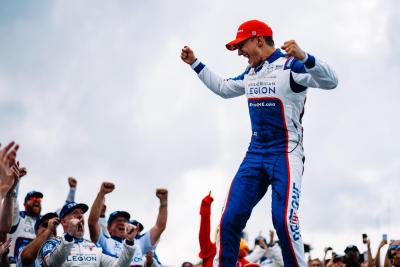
39, 199
395, 247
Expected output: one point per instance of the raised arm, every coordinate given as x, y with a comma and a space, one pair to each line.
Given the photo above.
95, 210
7, 160
14, 173
161, 223
370, 259
7, 213
72, 182
308, 71
226, 88
378, 253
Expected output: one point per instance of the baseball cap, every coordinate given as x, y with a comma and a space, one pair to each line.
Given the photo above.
32, 194
247, 30
116, 214
45, 217
138, 224
69, 207
351, 248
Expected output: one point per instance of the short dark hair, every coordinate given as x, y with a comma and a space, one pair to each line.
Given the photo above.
269, 40
186, 263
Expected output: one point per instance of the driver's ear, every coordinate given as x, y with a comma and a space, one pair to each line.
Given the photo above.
260, 41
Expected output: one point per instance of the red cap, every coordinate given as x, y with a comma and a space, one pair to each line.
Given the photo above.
247, 30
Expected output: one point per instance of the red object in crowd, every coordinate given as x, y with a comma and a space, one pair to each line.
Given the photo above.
207, 248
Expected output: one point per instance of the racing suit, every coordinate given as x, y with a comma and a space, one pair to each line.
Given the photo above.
22, 231
59, 252
276, 92
113, 246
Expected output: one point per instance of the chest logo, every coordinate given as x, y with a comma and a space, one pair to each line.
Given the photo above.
262, 88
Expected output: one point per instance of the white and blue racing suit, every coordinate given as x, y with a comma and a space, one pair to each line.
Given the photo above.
112, 246
276, 92
59, 252
23, 228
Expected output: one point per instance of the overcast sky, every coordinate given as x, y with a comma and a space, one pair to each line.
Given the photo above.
96, 90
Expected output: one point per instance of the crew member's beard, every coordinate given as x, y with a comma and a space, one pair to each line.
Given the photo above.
30, 210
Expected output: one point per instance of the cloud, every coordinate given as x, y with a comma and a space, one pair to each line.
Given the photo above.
96, 89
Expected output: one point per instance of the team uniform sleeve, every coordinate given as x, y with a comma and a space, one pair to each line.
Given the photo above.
15, 216
311, 72
257, 253
275, 253
144, 242
226, 88
103, 227
71, 195
54, 253
124, 259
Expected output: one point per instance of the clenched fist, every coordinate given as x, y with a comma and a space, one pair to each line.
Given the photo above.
106, 188
162, 194
53, 223
72, 182
187, 55
294, 50
131, 231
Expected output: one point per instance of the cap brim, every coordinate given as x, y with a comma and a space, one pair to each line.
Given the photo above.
117, 214
49, 216
232, 45
124, 214
81, 206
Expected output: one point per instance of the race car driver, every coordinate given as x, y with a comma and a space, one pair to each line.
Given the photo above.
276, 85
72, 250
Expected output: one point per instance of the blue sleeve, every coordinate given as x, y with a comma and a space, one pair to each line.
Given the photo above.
48, 247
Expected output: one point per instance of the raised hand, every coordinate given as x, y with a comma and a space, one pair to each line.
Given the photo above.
187, 55
162, 195
53, 223
382, 244
131, 231
72, 182
7, 170
293, 49
106, 188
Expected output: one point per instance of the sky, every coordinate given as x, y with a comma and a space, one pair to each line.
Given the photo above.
97, 90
